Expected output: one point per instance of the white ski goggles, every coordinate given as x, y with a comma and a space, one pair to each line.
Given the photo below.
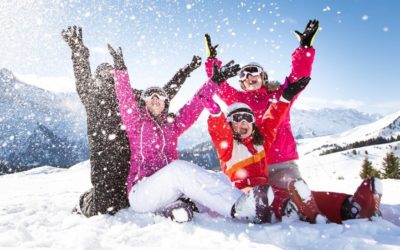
154, 92
253, 70
241, 116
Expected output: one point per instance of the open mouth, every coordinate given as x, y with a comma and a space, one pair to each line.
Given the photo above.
243, 131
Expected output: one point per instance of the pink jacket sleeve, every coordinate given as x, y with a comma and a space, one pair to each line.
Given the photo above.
302, 61
128, 108
226, 92
189, 113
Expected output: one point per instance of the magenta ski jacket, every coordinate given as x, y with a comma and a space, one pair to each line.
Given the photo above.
154, 145
284, 148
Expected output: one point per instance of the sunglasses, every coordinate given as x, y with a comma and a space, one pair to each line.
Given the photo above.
250, 70
241, 116
154, 92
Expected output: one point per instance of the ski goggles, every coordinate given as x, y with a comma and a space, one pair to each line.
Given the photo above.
253, 70
241, 116
152, 92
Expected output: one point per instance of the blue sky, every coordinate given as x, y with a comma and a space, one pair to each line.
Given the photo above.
357, 51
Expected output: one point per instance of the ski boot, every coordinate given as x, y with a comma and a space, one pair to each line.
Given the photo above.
303, 202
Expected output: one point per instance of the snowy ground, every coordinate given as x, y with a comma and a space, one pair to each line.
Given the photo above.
36, 205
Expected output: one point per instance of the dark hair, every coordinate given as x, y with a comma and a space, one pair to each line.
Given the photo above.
258, 138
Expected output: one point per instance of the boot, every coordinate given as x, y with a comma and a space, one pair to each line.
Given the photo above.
302, 201
365, 202
179, 211
255, 206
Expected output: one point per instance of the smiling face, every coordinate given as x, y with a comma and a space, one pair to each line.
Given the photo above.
155, 105
243, 128
252, 82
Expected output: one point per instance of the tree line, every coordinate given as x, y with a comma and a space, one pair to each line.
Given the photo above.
359, 144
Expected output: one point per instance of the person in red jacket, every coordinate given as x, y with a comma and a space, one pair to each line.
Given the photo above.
258, 93
243, 148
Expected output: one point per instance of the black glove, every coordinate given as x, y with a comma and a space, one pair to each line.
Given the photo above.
227, 71
294, 88
307, 37
73, 36
119, 63
210, 50
195, 63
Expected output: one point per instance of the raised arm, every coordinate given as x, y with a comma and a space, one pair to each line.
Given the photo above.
127, 104
174, 85
303, 56
80, 59
189, 113
276, 112
226, 92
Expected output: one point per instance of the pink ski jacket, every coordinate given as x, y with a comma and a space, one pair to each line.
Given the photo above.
284, 147
153, 145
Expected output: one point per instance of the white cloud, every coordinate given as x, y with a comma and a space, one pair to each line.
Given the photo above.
51, 83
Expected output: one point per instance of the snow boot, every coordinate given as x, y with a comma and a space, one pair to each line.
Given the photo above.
179, 211
365, 202
255, 206
303, 202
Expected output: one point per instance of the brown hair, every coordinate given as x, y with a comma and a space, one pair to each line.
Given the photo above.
258, 138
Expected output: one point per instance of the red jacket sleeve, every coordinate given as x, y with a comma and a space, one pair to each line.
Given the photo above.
270, 122
222, 136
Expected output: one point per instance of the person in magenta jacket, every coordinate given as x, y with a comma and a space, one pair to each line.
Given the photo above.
157, 179
254, 82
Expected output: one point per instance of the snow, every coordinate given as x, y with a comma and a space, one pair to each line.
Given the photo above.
36, 214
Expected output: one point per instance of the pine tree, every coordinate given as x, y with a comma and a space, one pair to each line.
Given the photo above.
367, 170
391, 166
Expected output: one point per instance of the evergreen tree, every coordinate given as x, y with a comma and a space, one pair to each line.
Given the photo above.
391, 166
367, 170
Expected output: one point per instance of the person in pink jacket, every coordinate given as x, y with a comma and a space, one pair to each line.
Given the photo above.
256, 94
157, 179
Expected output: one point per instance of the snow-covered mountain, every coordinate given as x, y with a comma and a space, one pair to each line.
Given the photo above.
26, 110
314, 123
386, 127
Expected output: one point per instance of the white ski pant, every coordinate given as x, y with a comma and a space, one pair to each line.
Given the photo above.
280, 174
178, 178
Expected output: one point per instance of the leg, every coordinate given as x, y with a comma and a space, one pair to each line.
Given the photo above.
183, 178
330, 204
281, 174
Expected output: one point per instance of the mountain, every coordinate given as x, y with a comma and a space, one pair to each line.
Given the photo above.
315, 123
26, 112
387, 127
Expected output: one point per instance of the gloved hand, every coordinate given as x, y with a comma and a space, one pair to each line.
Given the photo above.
306, 38
210, 50
195, 63
227, 71
210, 105
73, 37
294, 88
118, 58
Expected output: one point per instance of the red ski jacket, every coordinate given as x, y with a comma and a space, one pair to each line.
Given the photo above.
243, 162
